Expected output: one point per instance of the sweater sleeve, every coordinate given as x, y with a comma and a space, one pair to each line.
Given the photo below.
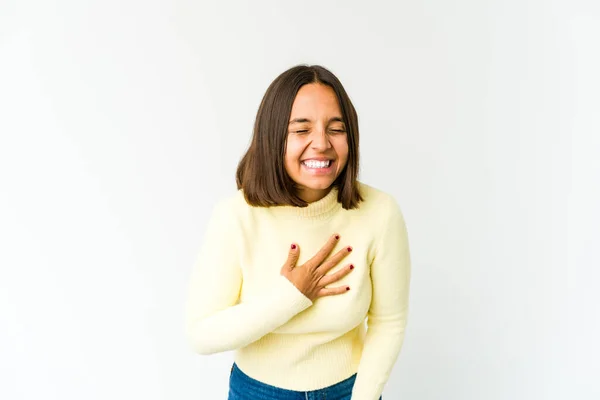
215, 320
388, 312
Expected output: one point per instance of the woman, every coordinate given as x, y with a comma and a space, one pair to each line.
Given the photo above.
298, 330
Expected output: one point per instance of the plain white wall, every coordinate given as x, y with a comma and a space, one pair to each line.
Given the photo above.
122, 123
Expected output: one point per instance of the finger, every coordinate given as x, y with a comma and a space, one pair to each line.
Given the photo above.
322, 254
333, 261
333, 291
328, 279
293, 255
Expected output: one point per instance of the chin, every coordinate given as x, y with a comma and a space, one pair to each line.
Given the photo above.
317, 185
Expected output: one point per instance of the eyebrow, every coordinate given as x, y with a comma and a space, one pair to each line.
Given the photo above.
301, 120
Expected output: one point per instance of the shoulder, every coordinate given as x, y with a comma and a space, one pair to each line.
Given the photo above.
231, 201
383, 212
233, 207
231, 204
226, 216
370, 192
378, 201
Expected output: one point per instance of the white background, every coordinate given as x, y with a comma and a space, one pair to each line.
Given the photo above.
122, 123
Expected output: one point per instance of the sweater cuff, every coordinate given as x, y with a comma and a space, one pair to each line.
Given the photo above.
290, 296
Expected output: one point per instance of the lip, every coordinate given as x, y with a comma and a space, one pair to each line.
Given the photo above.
317, 159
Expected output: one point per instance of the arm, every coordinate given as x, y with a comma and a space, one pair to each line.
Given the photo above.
214, 322
387, 316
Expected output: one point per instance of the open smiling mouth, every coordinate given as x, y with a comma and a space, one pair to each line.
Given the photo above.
318, 166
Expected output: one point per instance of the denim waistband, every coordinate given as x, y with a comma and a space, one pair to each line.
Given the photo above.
243, 387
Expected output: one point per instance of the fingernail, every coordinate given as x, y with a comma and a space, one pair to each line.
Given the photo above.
337, 236
351, 266
349, 248
293, 246
347, 287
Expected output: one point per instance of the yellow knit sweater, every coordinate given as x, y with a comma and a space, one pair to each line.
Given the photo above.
238, 300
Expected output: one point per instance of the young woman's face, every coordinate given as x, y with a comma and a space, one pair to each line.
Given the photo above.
317, 145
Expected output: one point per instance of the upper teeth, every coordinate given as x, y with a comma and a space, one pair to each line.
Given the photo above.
316, 164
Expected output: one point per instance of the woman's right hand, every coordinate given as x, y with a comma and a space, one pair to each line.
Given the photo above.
310, 277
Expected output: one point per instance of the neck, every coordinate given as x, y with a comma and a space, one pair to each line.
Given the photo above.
312, 195
317, 210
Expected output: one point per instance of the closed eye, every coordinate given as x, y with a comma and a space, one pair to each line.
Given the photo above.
331, 130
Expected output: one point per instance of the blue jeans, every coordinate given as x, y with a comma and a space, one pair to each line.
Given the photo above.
242, 387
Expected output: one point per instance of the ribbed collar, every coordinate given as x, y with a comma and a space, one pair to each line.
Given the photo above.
317, 210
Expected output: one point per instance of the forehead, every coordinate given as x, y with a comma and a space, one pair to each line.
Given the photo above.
315, 99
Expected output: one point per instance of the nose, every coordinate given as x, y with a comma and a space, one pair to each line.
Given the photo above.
320, 140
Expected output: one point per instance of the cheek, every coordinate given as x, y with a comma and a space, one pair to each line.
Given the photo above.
341, 148
292, 153
290, 160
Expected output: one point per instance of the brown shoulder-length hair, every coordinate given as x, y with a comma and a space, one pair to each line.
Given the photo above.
261, 172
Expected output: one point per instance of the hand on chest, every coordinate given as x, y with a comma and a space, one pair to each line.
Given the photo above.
265, 253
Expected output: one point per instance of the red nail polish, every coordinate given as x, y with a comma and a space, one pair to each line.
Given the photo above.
337, 236
349, 248
351, 266
347, 287
293, 246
